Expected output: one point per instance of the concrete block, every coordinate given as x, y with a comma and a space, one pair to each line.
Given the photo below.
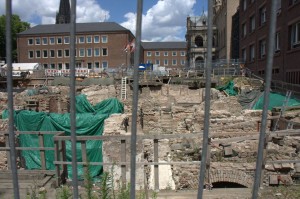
273, 180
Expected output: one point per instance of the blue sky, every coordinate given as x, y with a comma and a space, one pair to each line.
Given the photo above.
163, 20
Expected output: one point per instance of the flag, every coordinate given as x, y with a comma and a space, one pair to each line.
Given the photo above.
132, 45
126, 47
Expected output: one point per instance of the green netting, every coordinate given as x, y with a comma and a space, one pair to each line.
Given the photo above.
89, 121
228, 88
276, 100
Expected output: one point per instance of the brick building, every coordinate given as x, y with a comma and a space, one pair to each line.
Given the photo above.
168, 54
254, 27
98, 45
223, 13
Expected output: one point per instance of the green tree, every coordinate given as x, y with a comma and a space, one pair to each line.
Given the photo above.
17, 26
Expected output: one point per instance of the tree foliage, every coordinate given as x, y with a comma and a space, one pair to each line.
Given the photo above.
17, 26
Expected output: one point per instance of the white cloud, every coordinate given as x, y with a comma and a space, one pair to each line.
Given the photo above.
44, 12
165, 21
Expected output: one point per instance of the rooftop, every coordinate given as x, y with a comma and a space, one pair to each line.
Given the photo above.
164, 45
80, 27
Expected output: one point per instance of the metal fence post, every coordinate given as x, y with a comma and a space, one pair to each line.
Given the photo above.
268, 77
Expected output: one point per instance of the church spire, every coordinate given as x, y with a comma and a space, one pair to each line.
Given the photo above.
64, 13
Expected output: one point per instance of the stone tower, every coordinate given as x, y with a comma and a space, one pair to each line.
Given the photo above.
196, 38
64, 13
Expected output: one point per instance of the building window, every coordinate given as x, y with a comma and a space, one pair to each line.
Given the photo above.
67, 65
182, 62
157, 53
59, 40
278, 6
263, 15
149, 54
45, 40
52, 66
182, 53
174, 53
149, 61
88, 39
104, 64
59, 66
52, 53
174, 62
262, 48
157, 62
81, 52
104, 39
45, 66
97, 52
30, 41
81, 39
277, 42
45, 53
295, 35
293, 2
59, 53
89, 65
104, 52
252, 23
166, 62
89, 52
37, 41
244, 54
96, 39
166, 54
30, 54
67, 53
244, 30
97, 65
52, 40
244, 4
66, 40
252, 53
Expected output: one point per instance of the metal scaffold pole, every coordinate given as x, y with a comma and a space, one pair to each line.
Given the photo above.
135, 97
268, 78
207, 101
72, 99
13, 160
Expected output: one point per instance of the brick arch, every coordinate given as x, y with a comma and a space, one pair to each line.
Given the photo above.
233, 176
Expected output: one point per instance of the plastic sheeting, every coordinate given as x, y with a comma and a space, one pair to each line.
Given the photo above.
276, 100
229, 89
89, 121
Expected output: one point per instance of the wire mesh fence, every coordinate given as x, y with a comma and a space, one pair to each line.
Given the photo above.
208, 72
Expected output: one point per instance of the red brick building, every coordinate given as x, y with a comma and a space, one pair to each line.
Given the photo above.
254, 27
98, 46
167, 54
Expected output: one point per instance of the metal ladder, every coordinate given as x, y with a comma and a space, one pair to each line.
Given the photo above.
283, 108
123, 88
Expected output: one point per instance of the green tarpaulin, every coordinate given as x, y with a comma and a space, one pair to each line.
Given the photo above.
89, 121
228, 88
276, 100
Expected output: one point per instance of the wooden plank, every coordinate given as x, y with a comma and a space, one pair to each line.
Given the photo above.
84, 157
7, 152
57, 169
123, 159
42, 152
156, 169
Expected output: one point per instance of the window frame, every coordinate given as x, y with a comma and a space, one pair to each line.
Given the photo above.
104, 39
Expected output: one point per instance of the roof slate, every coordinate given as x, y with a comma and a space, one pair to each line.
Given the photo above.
80, 27
163, 45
